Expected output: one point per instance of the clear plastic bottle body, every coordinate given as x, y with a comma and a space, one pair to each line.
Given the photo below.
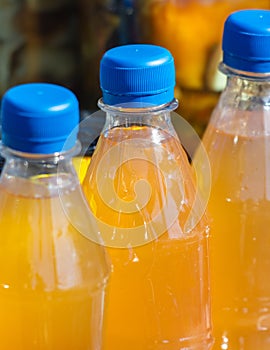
237, 140
52, 279
158, 294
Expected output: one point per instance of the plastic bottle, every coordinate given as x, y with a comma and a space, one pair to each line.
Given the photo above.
52, 278
237, 140
140, 189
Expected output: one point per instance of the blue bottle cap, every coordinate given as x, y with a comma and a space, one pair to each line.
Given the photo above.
39, 117
137, 73
246, 41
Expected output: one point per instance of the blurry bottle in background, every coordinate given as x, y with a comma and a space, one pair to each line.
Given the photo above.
52, 277
237, 140
192, 30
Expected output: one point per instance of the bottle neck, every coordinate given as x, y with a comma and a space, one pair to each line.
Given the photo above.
38, 174
246, 90
128, 115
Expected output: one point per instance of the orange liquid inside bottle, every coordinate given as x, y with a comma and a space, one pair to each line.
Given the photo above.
81, 164
158, 291
240, 242
50, 294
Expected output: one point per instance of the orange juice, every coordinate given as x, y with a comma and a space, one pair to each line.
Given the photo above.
158, 295
81, 164
240, 242
51, 293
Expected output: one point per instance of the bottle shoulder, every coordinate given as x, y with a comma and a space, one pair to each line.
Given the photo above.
45, 235
244, 94
141, 181
243, 108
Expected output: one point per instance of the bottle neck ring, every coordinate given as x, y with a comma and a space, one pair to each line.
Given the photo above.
7, 152
138, 108
229, 71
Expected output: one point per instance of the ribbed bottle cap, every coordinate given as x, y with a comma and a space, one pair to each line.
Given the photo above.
137, 73
39, 118
246, 41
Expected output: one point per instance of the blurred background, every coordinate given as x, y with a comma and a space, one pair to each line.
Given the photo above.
62, 41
